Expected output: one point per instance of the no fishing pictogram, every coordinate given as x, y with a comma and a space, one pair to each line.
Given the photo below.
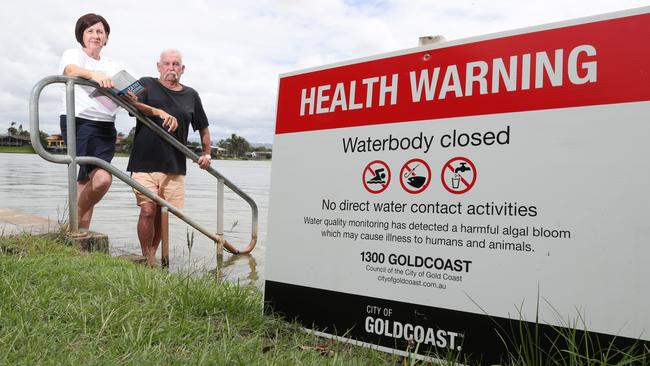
458, 175
376, 176
415, 176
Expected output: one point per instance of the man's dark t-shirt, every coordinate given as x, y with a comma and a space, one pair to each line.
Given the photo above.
151, 153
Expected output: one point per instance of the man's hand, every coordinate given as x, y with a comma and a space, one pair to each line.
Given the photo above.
169, 121
101, 79
131, 97
204, 161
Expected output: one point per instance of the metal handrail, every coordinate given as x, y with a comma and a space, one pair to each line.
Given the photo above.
72, 160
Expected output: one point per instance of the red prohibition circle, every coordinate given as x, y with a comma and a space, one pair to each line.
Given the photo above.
368, 169
403, 172
468, 185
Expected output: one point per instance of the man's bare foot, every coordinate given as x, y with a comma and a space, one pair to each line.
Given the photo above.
82, 233
151, 262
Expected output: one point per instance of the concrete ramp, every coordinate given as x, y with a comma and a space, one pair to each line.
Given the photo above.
15, 222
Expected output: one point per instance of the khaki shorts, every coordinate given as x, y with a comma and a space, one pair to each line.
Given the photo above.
170, 187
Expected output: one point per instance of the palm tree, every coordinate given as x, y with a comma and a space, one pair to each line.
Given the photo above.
237, 146
12, 130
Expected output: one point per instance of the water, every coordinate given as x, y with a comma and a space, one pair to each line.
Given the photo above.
32, 185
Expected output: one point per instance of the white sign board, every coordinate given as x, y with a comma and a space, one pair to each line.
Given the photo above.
429, 197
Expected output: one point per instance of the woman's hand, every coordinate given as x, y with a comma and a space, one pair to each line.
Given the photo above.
101, 79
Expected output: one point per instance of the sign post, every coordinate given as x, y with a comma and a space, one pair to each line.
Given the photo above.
424, 200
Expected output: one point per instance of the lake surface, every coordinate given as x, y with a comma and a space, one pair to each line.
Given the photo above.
32, 185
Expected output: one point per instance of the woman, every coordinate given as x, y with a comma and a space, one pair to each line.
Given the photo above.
95, 125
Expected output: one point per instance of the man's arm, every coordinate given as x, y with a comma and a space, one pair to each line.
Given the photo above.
169, 121
205, 158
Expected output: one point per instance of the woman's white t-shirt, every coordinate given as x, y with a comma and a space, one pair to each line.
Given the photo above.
85, 105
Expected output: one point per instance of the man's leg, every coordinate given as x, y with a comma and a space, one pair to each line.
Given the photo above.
147, 229
90, 193
149, 220
173, 191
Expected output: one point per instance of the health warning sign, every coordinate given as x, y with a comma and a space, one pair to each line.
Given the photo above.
432, 197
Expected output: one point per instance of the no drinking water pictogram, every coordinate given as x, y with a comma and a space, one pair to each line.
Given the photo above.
376, 176
458, 175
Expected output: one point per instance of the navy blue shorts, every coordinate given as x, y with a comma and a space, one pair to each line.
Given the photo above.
94, 139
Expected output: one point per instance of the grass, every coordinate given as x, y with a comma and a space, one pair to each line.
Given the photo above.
17, 149
60, 306
571, 345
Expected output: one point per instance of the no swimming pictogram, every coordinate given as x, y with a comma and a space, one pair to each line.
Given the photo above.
415, 176
376, 176
458, 175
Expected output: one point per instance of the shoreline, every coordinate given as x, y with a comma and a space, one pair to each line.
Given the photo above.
30, 150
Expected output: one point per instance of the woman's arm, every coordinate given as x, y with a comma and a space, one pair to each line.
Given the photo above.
100, 78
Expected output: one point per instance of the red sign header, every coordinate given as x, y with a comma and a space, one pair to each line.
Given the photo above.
602, 62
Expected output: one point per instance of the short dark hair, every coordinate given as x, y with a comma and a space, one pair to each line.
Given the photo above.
87, 21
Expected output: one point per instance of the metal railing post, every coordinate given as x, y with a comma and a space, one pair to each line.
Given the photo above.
219, 218
164, 229
72, 153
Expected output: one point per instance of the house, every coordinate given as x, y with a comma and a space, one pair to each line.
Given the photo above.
12, 140
55, 142
121, 144
218, 151
120, 138
259, 155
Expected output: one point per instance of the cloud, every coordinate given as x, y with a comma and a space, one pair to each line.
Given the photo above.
235, 51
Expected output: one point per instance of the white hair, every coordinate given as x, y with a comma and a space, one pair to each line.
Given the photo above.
172, 51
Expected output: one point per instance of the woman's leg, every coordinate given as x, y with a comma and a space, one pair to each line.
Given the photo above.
89, 193
96, 139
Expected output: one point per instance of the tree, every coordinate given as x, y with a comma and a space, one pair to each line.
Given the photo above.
18, 132
236, 146
261, 149
128, 141
43, 137
22, 133
12, 130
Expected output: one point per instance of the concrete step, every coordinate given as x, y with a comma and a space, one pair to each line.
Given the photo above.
13, 222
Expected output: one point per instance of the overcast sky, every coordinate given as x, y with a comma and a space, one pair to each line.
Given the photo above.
234, 51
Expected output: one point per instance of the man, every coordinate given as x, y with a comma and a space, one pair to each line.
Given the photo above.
156, 164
